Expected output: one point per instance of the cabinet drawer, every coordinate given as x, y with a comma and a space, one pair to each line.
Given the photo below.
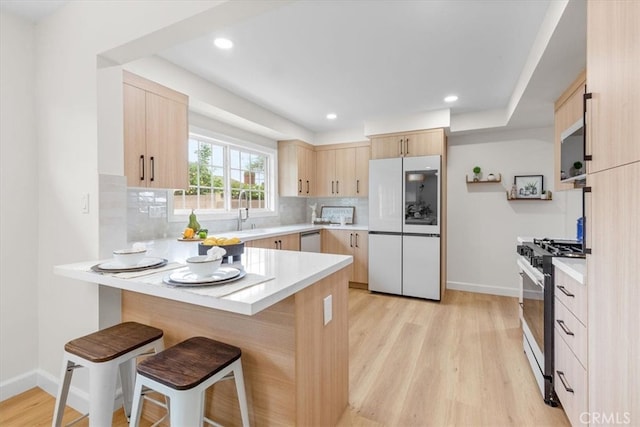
572, 331
572, 294
570, 382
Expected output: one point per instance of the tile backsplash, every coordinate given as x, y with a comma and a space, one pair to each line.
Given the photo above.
147, 214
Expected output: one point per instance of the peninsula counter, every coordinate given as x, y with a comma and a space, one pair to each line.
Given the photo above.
295, 366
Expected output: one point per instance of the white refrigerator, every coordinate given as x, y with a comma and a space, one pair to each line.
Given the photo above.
404, 226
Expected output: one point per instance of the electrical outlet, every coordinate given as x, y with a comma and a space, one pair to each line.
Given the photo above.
328, 309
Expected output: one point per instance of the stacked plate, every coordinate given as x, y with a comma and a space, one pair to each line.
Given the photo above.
114, 266
221, 276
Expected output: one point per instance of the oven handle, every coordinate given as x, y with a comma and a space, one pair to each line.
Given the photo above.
564, 291
564, 381
564, 327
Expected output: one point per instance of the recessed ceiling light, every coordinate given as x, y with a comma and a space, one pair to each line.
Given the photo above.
451, 98
332, 116
223, 43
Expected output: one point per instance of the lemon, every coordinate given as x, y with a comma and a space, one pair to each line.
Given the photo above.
232, 241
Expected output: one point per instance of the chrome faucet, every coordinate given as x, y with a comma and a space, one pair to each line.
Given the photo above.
243, 214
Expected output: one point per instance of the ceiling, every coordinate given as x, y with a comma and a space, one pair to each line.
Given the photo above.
370, 59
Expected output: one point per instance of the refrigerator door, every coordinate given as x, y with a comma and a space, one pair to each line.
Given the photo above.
385, 195
421, 266
421, 190
385, 263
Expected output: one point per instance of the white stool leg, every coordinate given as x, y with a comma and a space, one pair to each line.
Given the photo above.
137, 403
186, 408
242, 395
63, 391
102, 390
127, 377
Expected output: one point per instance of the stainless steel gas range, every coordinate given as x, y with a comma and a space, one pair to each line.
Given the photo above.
537, 302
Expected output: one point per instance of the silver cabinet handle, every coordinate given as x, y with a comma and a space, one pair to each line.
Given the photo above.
564, 381
565, 291
564, 327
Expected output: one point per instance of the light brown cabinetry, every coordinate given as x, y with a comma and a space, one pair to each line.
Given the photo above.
570, 376
354, 243
612, 226
155, 134
296, 169
410, 144
568, 110
344, 171
613, 61
287, 242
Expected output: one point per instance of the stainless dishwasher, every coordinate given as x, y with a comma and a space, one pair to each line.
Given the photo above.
310, 241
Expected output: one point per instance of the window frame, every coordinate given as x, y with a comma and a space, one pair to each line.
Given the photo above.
271, 186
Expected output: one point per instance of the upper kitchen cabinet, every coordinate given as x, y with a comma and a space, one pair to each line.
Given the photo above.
613, 61
408, 144
155, 134
569, 144
296, 169
343, 170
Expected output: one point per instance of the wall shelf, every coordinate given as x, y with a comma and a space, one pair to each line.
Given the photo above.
533, 199
485, 181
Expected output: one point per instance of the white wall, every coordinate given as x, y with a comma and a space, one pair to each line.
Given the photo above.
482, 224
67, 45
18, 210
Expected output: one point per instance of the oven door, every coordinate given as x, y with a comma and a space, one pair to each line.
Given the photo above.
533, 311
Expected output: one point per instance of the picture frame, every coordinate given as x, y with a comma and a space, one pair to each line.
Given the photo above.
528, 186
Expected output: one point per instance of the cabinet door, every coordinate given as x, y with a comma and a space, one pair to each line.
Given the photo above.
613, 269
338, 242
289, 242
386, 147
426, 143
613, 62
266, 243
325, 173
362, 171
289, 181
135, 160
310, 172
361, 257
345, 172
167, 135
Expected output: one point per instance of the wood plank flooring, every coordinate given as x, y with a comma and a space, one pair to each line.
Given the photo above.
412, 363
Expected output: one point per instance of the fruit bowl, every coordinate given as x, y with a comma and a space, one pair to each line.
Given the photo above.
234, 251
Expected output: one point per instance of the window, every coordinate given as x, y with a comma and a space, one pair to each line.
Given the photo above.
219, 172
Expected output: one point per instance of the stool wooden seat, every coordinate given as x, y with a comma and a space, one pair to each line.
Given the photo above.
104, 353
183, 373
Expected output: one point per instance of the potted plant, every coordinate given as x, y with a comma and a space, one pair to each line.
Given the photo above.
476, 173
577, 168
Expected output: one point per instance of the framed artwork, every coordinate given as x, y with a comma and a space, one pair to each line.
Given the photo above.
528, 186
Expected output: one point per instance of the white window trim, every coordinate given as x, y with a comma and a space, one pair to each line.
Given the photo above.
239, 143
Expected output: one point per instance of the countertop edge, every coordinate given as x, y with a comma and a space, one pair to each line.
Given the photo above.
574, 267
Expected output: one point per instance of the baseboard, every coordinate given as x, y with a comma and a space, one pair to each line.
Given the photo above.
78, 399
19, 384
483, 289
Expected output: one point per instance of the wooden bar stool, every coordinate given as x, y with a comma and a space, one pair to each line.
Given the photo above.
183, 373
105, 353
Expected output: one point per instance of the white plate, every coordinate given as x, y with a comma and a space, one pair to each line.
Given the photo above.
188, 278
145, 263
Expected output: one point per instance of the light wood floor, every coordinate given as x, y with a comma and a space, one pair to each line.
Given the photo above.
412, 363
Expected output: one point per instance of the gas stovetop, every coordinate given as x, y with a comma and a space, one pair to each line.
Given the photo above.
535, 252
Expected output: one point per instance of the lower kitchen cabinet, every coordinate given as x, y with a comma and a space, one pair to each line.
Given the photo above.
354, 243
570, 358
287, 242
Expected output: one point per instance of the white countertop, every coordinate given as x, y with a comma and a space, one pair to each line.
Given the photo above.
292, 272
260, 233
574, 267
